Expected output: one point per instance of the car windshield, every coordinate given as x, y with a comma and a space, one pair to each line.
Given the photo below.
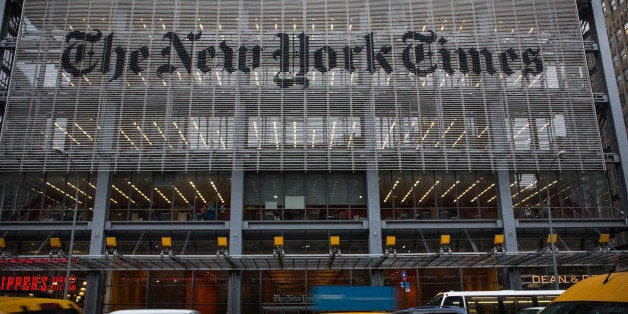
438, 299
586, 307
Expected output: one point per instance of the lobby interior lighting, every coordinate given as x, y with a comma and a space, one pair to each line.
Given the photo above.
84, 133
124, 195
450, 188
483, 192
482, 133
198, 131
182, 196
180, 133
128, 139
276, 134
459, 138
467, 190
138, 191
142, 133
333, 134
67, 134
351, 133
216, 190
391, 191
410, 191
429, 191
163, 196
60, 190
198, 192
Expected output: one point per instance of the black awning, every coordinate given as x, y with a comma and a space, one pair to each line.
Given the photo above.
312, 261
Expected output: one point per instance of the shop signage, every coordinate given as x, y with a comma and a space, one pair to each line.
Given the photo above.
544, 279
35, 283
421, 53
36, 260
289, 298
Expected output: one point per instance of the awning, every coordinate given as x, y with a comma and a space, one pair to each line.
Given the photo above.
313, 261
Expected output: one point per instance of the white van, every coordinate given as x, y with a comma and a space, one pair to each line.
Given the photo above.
155, 311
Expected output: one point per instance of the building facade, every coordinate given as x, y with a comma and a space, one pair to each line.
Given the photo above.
228, 156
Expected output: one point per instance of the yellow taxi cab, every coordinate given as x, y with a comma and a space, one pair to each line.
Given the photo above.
9, 305
596, 294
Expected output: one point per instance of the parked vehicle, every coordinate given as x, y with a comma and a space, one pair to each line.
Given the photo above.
531, 310
503, 301
433, 310
596, 294
155, 311
33, 305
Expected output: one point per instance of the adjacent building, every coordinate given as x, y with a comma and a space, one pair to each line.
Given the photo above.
228, 156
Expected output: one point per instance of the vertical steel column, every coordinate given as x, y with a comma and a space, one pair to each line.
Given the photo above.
617, 117
375, 223
512, 276
235, 241
96, 279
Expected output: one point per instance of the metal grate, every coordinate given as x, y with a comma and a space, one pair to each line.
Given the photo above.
307, 85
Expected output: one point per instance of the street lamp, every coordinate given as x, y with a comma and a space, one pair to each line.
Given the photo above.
559, 154
69, 266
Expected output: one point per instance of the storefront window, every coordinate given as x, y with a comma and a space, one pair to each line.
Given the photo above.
287, 291
204, 291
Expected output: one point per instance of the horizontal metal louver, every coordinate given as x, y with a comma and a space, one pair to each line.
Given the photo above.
300, 85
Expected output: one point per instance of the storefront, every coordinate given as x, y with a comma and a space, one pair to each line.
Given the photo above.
188, 281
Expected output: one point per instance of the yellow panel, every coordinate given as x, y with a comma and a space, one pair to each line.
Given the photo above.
166, 242
222, 242
391, 240
111, 242
499, 239
549, 240
445, 239
279, 241
2, 243
334, 241
604, 238
55, 243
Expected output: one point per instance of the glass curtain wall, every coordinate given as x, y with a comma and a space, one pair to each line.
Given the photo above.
572, 195
437, 195
305, 196
46, 196
173, 196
